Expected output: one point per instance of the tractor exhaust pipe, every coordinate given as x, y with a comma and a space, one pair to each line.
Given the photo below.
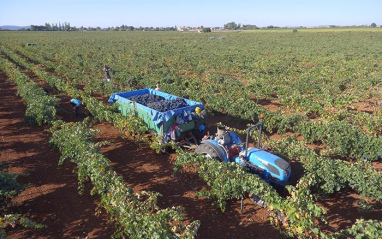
260, 125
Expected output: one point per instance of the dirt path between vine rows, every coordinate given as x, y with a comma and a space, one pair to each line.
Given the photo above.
51, 197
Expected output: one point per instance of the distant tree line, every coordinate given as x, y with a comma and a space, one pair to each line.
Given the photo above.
234, 26
66, 27
52, 27
131, 28
229, 26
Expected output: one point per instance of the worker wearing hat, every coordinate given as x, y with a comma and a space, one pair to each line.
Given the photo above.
76, 106
200, 118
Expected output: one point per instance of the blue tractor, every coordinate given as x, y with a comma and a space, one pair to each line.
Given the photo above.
227, 146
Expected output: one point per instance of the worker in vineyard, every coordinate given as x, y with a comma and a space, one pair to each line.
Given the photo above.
200, 118
76, 106
158, 87
107, 70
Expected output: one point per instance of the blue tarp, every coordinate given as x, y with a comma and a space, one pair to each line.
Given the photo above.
157, 116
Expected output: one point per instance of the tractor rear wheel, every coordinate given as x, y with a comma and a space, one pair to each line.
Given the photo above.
209, 151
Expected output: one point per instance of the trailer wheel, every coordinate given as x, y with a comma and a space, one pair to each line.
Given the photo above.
208, 151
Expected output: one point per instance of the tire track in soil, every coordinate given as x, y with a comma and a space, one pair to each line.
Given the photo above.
51, 197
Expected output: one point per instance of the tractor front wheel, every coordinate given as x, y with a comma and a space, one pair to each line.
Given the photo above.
209, 151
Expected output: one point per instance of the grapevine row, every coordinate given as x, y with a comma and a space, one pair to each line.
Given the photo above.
135, 217
41, 108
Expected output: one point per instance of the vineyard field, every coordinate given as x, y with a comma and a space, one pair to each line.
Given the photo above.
320, 91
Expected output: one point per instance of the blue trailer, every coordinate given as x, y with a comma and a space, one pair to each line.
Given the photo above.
166, 122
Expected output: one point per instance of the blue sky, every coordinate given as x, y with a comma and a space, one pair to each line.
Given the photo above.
208, 13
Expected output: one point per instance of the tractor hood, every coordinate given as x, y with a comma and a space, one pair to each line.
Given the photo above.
278, 169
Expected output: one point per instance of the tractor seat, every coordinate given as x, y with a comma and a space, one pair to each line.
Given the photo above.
224, 139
